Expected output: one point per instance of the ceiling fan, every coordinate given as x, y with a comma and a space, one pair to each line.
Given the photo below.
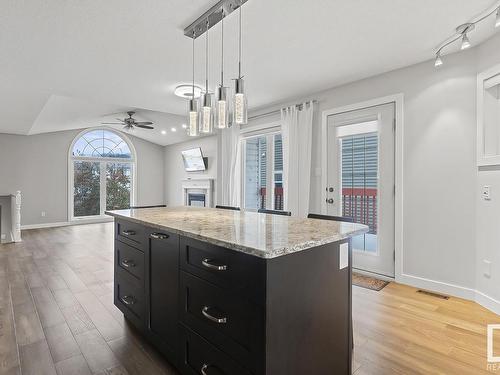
129, 122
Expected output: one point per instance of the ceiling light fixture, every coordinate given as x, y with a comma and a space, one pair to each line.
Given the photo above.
240, 104
465, 42
163, 132
174, 129
222, 108
207, 112
193, 107
463, 31
439, 60
184, 126
186, 91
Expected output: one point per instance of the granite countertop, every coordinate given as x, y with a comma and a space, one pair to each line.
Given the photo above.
263, 235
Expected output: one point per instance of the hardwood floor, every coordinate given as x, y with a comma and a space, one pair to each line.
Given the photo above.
57, 317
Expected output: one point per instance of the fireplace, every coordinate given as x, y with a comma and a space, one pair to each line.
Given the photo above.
196, 199
197, 193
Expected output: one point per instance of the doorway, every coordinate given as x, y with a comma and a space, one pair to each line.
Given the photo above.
360, 178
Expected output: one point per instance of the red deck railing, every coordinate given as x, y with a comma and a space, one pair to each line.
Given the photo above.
278, 198
361, 205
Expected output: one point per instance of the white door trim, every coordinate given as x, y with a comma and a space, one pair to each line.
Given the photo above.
398, 100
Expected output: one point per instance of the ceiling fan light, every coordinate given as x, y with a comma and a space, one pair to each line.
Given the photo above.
186, 91
465, 42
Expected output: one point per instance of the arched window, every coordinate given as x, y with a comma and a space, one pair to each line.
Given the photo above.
101, 173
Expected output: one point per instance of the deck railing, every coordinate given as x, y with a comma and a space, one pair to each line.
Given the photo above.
361, 205
278, 198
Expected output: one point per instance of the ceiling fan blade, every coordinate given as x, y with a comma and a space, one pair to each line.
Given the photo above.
143, 123
119, 119
139, 125
112, 123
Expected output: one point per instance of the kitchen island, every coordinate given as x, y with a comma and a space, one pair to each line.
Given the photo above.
230, 292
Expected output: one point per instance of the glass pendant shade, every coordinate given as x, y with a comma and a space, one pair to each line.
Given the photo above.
193, 118
497, 19
222, 108
240, 105
206, 118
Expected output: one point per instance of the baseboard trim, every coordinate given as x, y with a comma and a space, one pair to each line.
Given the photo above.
488, 302
437, 286
65, 223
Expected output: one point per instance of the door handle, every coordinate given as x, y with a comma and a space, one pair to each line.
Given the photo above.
127, 263
128, 300
128, 232
329, 200
205, 367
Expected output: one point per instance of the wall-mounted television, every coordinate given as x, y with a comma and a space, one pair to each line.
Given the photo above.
194, 160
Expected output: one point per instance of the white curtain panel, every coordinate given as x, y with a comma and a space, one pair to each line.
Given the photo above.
230, 163
296, 129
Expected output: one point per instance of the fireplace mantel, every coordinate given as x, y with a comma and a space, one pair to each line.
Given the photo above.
198, 186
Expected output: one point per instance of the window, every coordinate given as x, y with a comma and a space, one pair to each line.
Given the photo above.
101, 174
263, 172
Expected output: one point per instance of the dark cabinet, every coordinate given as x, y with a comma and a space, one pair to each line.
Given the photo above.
162, 288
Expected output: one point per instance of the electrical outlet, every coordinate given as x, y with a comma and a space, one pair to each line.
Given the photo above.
43, 213
486, 268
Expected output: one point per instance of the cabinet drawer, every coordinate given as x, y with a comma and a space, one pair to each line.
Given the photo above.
200, 357
131, 233
231, 323
226, 268
129, 297
130, 260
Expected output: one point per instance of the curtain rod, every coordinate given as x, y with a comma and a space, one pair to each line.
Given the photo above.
298, 105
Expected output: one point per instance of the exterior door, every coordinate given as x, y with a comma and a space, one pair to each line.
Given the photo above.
360, 176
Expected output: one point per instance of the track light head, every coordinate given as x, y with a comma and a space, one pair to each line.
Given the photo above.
465, 42
439, 61
497, 21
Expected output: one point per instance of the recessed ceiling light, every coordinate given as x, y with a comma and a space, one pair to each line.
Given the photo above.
184, 126
186, 91
163, 132
174, 129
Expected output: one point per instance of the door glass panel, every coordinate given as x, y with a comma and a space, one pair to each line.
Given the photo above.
118, 185
359, 174
86, 192
255, 173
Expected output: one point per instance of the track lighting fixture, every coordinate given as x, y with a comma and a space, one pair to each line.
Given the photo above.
465, 42
462, 32
438, 61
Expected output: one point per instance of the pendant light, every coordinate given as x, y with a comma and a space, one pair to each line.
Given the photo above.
222, 107
193, 108
240, 105
465, 41
207, 111
439, 60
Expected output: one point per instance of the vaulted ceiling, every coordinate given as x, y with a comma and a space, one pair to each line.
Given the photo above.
68, 64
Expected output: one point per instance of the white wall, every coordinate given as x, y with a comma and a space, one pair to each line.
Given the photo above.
38, 166
440, 174
175, 172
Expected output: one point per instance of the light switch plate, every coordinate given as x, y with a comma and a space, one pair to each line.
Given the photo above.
486, 268
344, 255
486, 192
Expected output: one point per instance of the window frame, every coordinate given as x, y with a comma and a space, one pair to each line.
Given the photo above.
103, 161
268, 131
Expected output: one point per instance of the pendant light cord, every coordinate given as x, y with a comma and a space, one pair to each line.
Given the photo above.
222, 53
239, 48
193, 64
206, 59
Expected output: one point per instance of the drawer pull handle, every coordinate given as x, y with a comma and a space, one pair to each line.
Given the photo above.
212, 318
206, 263
159, 236
128, 232
128, 300
204, 369
127, 263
